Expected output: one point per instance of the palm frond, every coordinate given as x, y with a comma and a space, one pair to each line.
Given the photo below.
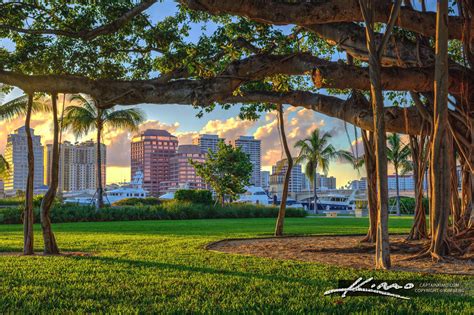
19, 106
4, 168
79, 120
128, 119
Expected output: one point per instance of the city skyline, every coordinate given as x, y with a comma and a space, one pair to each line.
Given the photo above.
300, 123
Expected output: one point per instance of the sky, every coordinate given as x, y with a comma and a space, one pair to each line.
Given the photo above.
182, 122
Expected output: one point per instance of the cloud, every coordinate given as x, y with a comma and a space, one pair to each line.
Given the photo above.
297, 126
229, 129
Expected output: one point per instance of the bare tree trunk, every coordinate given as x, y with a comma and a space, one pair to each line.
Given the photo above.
50, 246
28, 215
382, 249
369, 161
440, 146
286, 183
418, 230
100, 190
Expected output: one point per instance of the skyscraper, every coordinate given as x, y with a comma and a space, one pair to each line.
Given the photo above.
16, 154
206, 142
182, 173
278, 176
265, 179
151, 151
77, 165
251, 146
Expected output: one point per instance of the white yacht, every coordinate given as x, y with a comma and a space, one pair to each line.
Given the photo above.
128, 190
256, 195
337, 202
133, 190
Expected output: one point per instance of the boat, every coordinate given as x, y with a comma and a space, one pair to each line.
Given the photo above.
255, 195
337, 202
132, 189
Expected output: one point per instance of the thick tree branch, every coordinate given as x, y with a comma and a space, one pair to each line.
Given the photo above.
351, 37
340, 76
332, 11
356, 111
89, 34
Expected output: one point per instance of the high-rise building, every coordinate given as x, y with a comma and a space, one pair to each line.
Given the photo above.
251, 146
278, 177
151, 152
206, 142
265, 180
325, 182
77, 165
182, 173
16, 154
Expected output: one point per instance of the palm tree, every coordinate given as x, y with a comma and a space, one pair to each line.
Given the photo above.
397, 154
316, 152
25, 105
88, 116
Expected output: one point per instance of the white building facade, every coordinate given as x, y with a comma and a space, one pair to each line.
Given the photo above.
207, 142
252, 147
77, 166
16, 154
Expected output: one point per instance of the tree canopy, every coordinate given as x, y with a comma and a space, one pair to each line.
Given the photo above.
260, 53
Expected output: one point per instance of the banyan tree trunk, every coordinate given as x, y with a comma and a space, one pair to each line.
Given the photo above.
418, 230
455, 202
467, 193
382, 250
369, 161
28, 215
286, 183
440, 141
50, 246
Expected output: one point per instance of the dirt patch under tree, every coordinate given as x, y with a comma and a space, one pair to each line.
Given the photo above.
345, 251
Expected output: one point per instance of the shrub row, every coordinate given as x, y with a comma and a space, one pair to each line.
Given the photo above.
149, 201
194, 196
169, 210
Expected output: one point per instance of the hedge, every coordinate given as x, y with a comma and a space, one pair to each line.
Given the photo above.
194, 196
149, 201
169, 210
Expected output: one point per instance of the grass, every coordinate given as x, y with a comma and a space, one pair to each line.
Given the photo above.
161, 266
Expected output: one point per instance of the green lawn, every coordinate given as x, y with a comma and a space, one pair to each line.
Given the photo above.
161, 266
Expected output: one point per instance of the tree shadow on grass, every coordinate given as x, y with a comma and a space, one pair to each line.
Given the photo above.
196, 269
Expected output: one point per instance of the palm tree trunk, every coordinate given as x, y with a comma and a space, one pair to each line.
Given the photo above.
28, 215
50, 246
315, 190
398, 190
369, 162
286, 183
100, 191
440, 164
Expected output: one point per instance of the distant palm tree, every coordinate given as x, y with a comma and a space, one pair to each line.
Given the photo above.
316, 152
87, 117
398, 154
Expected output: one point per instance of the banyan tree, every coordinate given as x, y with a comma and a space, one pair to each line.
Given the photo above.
353, 60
